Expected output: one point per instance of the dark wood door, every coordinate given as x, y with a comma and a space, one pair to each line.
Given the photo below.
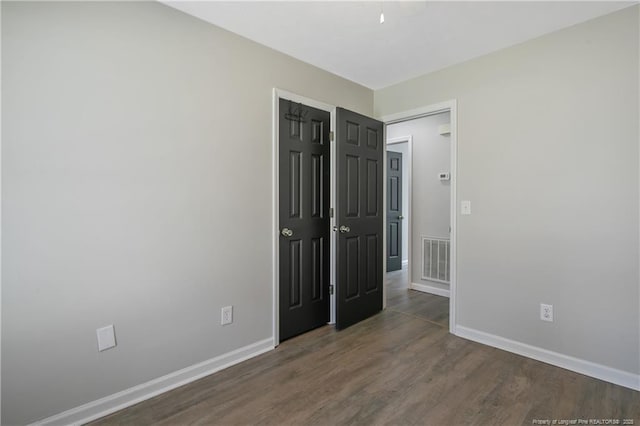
304, 218
359, 217
394, 211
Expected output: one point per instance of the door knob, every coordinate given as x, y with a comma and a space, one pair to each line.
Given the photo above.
345, 229
400, 217
286, 232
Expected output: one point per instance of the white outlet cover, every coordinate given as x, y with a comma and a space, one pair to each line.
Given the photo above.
546, 312
106, 338
226, 315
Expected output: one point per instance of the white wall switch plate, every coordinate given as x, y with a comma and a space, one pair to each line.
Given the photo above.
106, 338
546, 312
226, 315
465, 207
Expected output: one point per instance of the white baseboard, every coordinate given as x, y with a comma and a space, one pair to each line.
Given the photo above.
426, 288
405, 262
112, 403
588, 368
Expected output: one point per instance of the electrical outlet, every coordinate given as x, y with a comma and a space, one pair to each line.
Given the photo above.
227, 315
546, 312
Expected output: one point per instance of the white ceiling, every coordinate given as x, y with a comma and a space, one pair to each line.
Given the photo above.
417, 37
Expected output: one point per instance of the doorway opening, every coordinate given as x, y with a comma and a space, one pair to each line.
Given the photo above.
425, 283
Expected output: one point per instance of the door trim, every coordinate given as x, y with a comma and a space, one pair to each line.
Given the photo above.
409, 161
451, 106
275, 181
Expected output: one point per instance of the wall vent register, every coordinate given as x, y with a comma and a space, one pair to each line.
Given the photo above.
435, 259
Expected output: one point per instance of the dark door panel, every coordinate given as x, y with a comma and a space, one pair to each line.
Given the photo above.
304, 218
359, 217
394, 211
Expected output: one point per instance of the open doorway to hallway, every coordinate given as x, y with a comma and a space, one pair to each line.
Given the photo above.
419, 219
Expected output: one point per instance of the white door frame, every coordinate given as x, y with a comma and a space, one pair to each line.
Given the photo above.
406, 181
277, 94
450, 106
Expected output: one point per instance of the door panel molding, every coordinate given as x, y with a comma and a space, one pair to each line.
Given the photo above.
372, 268
295, 272
372, 188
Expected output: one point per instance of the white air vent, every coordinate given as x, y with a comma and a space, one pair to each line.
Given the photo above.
435, 259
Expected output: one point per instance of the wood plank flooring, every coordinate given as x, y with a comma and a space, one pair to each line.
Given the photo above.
400, 367
427, 306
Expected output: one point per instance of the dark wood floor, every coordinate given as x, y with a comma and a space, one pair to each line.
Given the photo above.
400, 367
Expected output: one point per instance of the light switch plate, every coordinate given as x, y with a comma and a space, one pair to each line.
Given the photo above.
106, 338
465, 207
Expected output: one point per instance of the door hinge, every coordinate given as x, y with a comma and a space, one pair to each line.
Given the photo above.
330, 211
331, 136
331, 289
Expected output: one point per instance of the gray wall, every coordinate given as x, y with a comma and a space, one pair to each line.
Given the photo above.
136, 183
431, 201
403, 148
548, 155
127, 131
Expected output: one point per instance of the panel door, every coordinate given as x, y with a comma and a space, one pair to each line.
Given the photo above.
394, 211
360, 213
303, 218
